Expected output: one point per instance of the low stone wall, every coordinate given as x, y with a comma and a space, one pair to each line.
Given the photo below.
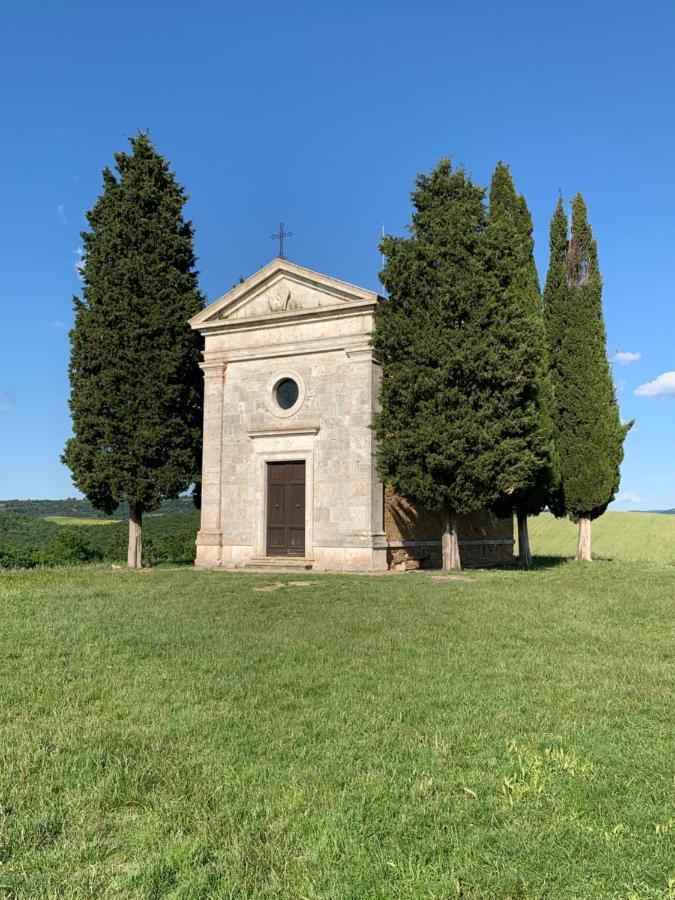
414, 536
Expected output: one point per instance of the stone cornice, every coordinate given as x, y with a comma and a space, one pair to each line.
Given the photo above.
213, 368
353, 345
289, 317
481, 542
298, 431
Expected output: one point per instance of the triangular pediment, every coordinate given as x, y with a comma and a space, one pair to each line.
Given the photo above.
281, 289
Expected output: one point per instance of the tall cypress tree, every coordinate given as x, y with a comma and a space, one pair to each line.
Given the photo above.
135, 381
529, 461
440, 436
588, 431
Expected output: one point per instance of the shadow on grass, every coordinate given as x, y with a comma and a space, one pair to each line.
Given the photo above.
548, 562
538, 562
552, 562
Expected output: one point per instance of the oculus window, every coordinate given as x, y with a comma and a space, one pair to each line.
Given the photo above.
286, 393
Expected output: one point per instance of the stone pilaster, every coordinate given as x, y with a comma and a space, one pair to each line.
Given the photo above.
365, 473
210, 536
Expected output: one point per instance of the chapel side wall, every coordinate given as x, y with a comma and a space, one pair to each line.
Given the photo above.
414, 533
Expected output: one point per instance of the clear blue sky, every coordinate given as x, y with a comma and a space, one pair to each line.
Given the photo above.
320, 115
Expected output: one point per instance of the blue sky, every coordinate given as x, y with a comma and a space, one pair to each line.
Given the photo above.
320, 115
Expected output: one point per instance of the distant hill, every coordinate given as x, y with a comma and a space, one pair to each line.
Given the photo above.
663, 512
82, 509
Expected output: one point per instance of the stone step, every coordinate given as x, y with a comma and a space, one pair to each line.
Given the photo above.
290, 563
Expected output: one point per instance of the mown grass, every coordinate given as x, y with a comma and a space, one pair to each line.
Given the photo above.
79, 521
181, 734
626, 536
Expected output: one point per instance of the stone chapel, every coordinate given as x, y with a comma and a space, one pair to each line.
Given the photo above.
289, 476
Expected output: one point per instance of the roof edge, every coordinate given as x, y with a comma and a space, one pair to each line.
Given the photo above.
267, 271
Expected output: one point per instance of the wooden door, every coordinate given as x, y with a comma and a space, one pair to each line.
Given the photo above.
286, 509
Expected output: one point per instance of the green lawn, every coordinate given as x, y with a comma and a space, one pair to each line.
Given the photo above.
79, 520
627, 536
181, 734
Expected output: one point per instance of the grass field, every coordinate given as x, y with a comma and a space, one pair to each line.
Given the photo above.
188, 735
75, 520
627, 536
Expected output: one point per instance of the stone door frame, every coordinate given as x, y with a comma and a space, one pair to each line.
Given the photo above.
262, 457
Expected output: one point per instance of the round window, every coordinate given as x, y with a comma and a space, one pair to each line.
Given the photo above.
286, 393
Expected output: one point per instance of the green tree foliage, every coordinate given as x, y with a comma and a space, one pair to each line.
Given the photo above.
519, 344
71, 547
135, 382
448, 436
589, 434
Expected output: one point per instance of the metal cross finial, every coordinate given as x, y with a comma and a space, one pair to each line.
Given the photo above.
280, 237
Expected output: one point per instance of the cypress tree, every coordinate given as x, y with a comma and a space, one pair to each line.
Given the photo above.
589, 434
439, 437
528, 470
135, 382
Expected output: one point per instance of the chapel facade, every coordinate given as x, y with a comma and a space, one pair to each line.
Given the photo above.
288, 474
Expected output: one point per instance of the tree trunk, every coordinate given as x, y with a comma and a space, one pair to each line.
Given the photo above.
450, 541
584, 545
135, 551
524, 554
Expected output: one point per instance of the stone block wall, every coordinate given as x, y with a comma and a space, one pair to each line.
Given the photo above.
331, 432
414, 536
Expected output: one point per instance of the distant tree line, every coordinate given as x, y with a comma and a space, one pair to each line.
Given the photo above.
83, 509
